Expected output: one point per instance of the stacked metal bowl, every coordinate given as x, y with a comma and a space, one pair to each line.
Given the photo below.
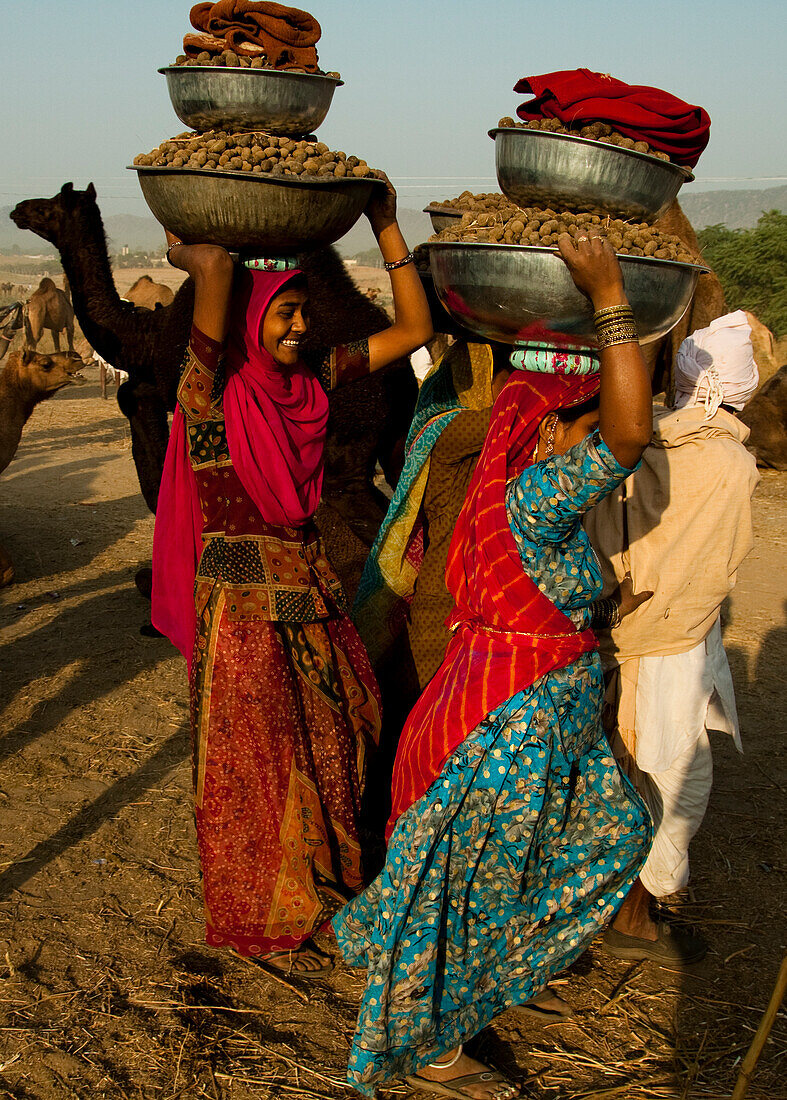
252, 213
518, 294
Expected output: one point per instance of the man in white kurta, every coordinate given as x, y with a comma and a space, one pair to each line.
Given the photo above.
681, 525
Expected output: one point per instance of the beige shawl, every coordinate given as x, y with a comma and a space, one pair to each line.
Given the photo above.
685, 529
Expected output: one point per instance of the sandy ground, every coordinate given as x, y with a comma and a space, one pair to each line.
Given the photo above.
106, 986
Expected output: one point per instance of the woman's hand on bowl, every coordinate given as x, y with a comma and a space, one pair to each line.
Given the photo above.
594, 267
381, 207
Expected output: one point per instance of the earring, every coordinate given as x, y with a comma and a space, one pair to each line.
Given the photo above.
551, 439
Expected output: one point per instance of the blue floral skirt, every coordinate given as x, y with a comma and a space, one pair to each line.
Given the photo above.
495, 880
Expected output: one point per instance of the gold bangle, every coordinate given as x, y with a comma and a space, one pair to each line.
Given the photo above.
620, 319
625, 336
606, 322
612, 311
619, 327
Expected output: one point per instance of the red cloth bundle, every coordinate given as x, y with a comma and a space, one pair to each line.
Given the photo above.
578, 97
287, 36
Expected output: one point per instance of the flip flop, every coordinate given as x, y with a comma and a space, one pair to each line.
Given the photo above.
541, 1012
454, 1087
670, 948
264, 962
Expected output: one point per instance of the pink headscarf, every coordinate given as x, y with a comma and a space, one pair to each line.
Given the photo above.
276, 422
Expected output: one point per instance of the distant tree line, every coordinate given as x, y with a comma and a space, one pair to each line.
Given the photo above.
370, 257
752, 267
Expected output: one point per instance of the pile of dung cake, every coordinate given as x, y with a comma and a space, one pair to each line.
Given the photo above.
247, 43
255, 151
595, 131
494, 219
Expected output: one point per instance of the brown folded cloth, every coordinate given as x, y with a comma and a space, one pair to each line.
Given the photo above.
287, 36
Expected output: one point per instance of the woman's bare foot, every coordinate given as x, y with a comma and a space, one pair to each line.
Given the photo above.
548, 1001
498, 1088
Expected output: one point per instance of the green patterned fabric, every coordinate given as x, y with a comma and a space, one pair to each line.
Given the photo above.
547, 359
270, 263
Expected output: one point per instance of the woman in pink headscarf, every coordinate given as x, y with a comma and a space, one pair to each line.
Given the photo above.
283, 700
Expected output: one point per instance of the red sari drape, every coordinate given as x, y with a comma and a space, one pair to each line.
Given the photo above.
507, 633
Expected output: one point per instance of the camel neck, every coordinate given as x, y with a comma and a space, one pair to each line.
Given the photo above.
15, 408
106, 321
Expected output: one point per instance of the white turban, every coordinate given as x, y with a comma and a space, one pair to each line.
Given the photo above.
715, 365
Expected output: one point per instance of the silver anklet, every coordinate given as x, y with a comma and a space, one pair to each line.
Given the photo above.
447, 1065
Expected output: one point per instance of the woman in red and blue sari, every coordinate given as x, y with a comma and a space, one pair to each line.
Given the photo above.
514, 837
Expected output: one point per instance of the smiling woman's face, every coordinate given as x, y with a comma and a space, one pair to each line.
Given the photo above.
285, 322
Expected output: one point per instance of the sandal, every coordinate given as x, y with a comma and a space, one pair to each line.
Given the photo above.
455, 1087
272, 957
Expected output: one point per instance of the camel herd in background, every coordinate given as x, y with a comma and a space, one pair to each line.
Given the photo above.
139, 342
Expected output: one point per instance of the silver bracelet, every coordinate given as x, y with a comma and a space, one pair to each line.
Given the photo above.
408, 259
169, 261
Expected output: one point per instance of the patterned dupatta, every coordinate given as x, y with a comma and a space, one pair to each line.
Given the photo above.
507, 633
461, 380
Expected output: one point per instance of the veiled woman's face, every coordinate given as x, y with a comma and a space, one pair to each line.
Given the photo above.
286, 321
562, 436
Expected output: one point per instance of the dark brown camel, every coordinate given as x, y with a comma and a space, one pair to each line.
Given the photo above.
368, 420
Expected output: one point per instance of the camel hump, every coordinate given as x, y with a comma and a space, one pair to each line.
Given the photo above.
47, 284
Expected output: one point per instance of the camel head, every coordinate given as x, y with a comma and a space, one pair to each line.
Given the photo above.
36, 376
48, 217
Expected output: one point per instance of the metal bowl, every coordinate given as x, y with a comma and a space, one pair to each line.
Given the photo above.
240, 210
517, 294
538, 168
210, 97
442, 216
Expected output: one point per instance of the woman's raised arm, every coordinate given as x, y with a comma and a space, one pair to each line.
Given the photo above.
211, 268
412, 325
626, 402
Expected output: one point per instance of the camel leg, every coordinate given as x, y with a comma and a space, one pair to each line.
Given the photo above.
56, 339
102, 374
70, 336
147, 415
31, 336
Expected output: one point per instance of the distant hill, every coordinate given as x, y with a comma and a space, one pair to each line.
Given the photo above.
735, 209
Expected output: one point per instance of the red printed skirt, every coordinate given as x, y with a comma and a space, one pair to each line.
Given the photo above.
282, 717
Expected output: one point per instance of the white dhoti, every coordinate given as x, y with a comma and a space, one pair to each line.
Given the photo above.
680, 698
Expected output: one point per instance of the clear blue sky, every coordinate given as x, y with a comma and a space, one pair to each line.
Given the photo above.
425, 80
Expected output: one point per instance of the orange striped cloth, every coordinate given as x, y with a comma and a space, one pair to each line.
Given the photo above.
507, 633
